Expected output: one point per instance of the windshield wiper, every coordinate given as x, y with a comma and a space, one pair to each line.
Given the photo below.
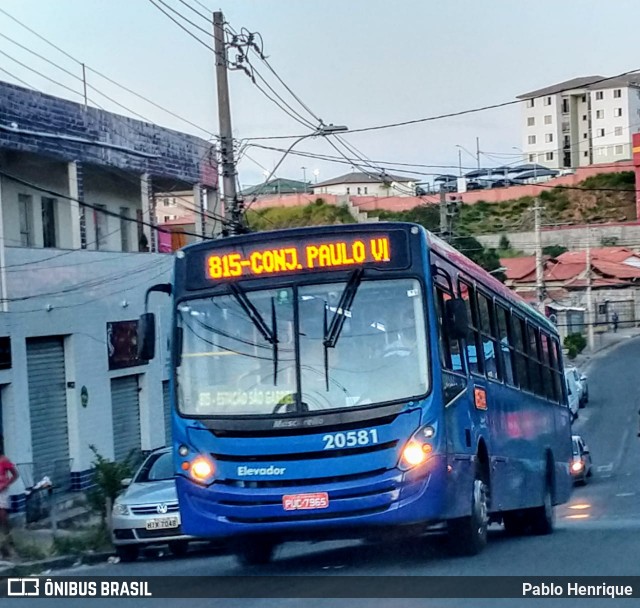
270, 334
333, 330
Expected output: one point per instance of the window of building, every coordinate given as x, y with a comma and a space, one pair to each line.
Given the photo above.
617, 93
565, 105
585, 135
531, 121
100, 223
366, 189
359, 190
25, 210
619, 150
617, 131
566, 127
599, 113
547, 101
548, 137
584, 99
548, 119
585, 153
124, 229
532, 158
348, 190
166, 202
600, 132
617, 112
49, 237
530, 102
531, 139
548, 156
599, 95
601, 151
166, 218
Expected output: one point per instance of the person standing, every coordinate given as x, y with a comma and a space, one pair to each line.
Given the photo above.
614, 319
8, 475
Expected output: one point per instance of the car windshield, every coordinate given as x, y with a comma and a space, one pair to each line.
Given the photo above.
158, 467
372, 352
576, 448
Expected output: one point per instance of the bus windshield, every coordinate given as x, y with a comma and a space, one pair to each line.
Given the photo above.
269, 351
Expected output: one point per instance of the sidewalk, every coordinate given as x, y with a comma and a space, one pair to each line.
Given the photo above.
603, 343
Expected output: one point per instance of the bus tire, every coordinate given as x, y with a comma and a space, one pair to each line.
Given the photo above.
468, 535
543, 517
255, 554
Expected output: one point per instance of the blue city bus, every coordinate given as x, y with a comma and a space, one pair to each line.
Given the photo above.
354, 381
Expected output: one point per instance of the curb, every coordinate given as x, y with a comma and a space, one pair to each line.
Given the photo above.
64, 561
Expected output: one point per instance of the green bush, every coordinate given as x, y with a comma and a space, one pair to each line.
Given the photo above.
575, 344
94, 539
108, 477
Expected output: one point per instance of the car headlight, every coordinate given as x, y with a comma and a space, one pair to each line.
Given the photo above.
120, 509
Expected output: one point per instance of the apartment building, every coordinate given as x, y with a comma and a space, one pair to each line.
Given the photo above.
584, 121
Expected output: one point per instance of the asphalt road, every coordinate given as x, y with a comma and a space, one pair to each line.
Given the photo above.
598, 531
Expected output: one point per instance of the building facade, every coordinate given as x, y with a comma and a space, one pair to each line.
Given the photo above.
584, 121
78, 189
366, 184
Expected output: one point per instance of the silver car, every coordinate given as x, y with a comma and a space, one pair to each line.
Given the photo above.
147, 512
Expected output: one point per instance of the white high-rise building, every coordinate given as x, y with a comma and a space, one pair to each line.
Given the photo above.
584, 121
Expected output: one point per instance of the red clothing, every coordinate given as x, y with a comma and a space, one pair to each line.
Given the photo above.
6, 466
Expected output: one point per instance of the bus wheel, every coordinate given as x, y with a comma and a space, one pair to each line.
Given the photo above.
468, 535
543, 517
257, 554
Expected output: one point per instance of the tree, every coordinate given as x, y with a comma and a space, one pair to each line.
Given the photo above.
504, 243
485, 257
554, 250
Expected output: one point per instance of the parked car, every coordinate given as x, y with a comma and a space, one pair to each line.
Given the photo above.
147, 512
581, 381
573, 393
581, 464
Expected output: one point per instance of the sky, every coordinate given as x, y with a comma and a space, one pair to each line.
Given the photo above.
358, 63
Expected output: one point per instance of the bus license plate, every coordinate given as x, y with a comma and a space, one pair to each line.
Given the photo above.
162, 523
302, 502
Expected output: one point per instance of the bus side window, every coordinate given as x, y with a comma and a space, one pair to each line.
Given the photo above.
506, 345
474, 343
558, 377
449, 348
533, 361
488, 334
519, 329
547, 367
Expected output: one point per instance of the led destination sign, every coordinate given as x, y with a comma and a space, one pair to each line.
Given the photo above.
388, 250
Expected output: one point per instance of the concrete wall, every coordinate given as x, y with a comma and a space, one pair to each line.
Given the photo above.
571, 237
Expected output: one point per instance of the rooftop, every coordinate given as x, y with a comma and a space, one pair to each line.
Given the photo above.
585, 82
357, 177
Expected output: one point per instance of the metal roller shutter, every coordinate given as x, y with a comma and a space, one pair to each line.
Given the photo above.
125, 411
166, 403
48, 409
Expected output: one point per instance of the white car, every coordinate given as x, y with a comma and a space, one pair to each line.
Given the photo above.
573, 393
147, 512
583, 387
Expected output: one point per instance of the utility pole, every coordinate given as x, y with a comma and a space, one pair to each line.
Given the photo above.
232, 206
539, 269
590, 315
478, 151
444, 221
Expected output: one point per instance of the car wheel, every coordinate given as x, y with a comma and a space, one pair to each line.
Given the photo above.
179, 547
127, 553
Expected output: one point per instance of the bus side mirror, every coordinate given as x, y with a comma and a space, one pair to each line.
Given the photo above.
147, 336
457, 318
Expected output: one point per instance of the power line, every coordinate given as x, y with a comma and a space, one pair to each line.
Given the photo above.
450, 114
179, 14
182, 27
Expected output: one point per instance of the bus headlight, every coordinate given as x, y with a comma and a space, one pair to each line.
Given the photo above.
418, 449
202, 469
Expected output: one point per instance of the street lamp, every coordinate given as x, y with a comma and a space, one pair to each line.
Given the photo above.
316, 172
304, 178
323, 131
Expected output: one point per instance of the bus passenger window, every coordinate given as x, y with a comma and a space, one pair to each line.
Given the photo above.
449, 348
488, 336
506, 347
519, 334
474, 343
